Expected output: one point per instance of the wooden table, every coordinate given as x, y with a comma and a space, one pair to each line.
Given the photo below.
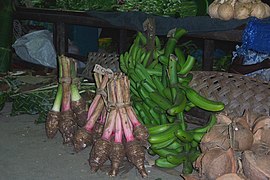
61, 18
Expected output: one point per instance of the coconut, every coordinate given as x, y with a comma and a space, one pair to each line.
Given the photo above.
218, 136
256, 167
261, 149
231, 176
251, 117
216, 162
223, 119
261, 129
242, 137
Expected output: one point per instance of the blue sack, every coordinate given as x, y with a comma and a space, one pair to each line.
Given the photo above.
256, 35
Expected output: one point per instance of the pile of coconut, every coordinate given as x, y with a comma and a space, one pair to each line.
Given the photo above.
238, 9
233, 149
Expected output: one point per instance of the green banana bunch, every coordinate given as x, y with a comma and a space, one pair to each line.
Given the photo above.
161, 95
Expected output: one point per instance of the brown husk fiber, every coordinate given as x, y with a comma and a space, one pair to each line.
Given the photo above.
67, 126
256, 167
218, 136
136, 154
80, 110
52, 123
99, 154
216, 162
242, 138
82, 139
231, 176
116, 156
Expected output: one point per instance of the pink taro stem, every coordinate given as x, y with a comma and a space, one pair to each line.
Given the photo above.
118, 129
109, 126
96, 107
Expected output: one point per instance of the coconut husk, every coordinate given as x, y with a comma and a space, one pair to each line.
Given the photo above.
141, 132
242, 137
216, 162
261, 130
231, 176
193, 176
67, 126
116, 156
251, 117
261, 149
136, 154
223, 119
99, 154
80, 110
256, 167
82, 139
218, 136
52, 123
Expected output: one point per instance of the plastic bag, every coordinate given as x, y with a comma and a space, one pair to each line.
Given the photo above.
37, 47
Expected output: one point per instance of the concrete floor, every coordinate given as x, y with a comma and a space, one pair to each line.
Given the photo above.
27, 154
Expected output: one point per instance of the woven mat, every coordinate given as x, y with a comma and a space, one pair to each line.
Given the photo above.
237, 92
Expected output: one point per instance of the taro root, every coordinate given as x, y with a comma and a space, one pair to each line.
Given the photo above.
99, 154
136, 154
67, 126
79, 109
261, 129
51, 124
54, 115
216, 162
242, 137
218, 136
78, 104
116, 156
82, 139
256, 167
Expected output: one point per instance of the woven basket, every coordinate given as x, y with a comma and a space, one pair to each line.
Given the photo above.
106, 60
237, 92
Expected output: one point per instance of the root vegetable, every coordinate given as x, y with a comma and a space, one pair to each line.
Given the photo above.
267, 10
136, 154
242, 10
82, 139
67, 126
116, 156
52, 122
99, 154
258, 10
53, 117
78, 104
225, 10
213, 9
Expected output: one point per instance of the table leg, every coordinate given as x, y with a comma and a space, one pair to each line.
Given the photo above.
208, 55
123, 44
60, 38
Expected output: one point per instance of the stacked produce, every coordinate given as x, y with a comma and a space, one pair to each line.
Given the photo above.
123, 135
236, 148
161, 95
238, 9
62, 117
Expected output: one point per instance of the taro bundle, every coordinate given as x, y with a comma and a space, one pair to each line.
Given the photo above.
69, 109
123, 135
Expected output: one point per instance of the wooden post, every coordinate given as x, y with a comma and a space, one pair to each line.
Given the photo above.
208, 55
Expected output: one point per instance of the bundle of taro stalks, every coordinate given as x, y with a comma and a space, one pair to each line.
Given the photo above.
69, 109
110, 124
